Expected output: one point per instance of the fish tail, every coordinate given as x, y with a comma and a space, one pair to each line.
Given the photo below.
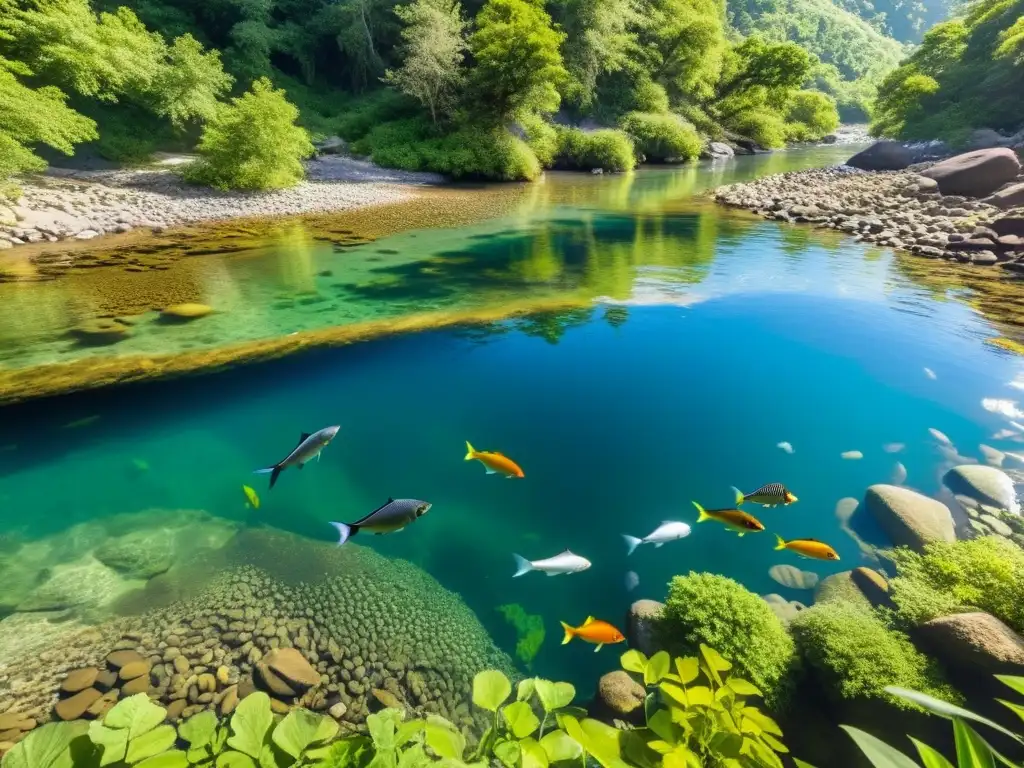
470, 452
703, 513
570, 633
522, 566
273, 471
739, 496
345, 532
782, 542
632, 542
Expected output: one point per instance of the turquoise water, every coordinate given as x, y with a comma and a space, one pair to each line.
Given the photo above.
620, 413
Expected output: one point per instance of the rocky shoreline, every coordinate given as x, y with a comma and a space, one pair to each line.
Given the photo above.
968, 208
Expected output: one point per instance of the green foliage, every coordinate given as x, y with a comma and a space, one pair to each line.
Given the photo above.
529, 627
810, 115
53, 745
253, 143
985, 574
702, 715
663, 137
682, 46
721, 613
905, 22
374, 110
764, 126
518, 65
599, 41
607, 149
857, 656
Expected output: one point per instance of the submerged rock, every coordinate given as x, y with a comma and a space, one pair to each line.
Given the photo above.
976, 642
986, 485
184, 313
861, 585
909, 518
642, 626
785, 609
792, 577
139, 555
100, 332
619, 697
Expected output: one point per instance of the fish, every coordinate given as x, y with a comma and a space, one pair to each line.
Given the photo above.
769, 495
667, 531
495, 463
784, 446
812, 548
309, 448
565, 562
940, 436
593, 631
852, 455
632, 581
730, 518
250, 494
83, 422
899, 474
390, 517
930, 374
893, 447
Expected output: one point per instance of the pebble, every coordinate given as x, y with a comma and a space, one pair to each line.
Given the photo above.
138, 685
134, 669
79, 679
75, 706
118, 659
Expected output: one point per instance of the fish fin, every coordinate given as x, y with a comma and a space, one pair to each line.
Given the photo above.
659, 544
345, 532
553, 573
489, 471
390, 499
599, 647
273, 475
264, 471
703, 512
470, 452
303, 436
523, 566
741, 534
318, 457
782, 542
739, 496
632, 542
570, 633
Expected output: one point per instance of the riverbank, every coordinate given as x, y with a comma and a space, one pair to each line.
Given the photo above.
78, 205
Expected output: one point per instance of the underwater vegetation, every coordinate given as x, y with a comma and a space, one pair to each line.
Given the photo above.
529, 631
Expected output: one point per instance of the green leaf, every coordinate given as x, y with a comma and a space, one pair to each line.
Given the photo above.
525, 689
302, 728
657, 667
680, 757
508, 752
602, 742
687, 669
633, 661
1014, 681
534, 755
764, 722
774, 743
971, 749
560, 746
413, 757
554, 695
714, 662
173, 759
674, 693
945, 709
137, 714
742, 688
572, 727
444, 739
490, 689
198, 730
151, 743
660, 725
801, 764
113, 741
880, 754
520, 718
1017, 709
930, 758
383, 726
250, 722
408, 731
349, 751
46, 747
700, 696
231, 759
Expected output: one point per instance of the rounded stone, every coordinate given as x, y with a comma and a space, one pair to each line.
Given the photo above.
75, 706
138, 685
79, 679
974, 642
184, 313
100, 332
642, 625
986, 485
134, 669
620, 695
909, 518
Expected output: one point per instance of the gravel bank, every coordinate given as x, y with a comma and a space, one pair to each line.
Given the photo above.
80, 205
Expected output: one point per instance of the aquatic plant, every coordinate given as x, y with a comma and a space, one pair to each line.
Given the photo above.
986, 573
971, 748
721, 613
529, 631
700, 715
856, 655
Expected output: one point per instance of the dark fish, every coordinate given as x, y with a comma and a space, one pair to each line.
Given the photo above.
767, 495
389, 518
309, 448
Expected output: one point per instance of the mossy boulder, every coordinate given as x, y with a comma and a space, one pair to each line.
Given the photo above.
138, 555
909, 518
861, 585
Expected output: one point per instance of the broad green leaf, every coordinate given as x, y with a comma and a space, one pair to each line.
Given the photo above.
525, 689
742, 687
801, 764
700, 696
114, 742
674, 693
151, 743
971, 749
490, 689
173, 759
198, 730
880, 754
445, 741
220, 738
231, 759
633, 661
554, 695
1014, 681
137, 714
749, 726
680, 757
930, 758
764, 755
46, 747
349, 751
250, 722
382, 727
657, 667
384, 758
560, 746
602, 741
520, 719
301, 728
945, 709
1017, 709
687, 669
407, 732
508, 752
575, 731
714, 659
660, 725
774, 743
533, 754
764, 722
414, 757
660, 746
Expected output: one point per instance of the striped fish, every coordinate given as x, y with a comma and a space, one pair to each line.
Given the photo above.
769, 495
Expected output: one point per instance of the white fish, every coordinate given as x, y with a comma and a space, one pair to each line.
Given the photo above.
939, 436
930, 374
899, 474
1018, 427
565, 562
309, 448
852, 455
667, 531
1003, 434
632, 581
893, 447
784, 446
993, 457
1007, 408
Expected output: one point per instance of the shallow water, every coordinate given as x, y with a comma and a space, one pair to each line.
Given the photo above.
703, 338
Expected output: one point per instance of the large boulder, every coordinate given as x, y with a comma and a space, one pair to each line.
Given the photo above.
986, 485
716, 150
973, 642
619, 697
140, 554
909, 518
786, 610
861, 585
1008, 197
975, 174
1008, 225
986, 138
642, 626
883, 156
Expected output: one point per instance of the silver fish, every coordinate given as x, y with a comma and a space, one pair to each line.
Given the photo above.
309, 448
632, 581
566, 562
390, 517
667, 531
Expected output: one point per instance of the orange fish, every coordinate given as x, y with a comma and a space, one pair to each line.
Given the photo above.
593, 631
494, 462
812, 548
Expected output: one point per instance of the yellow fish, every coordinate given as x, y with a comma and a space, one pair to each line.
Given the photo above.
250, 494
735, 519
817, 550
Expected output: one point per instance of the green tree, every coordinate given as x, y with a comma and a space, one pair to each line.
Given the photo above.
518, 63
600, 39
189, 83
682, 45
253, 143
433, 46
810, 115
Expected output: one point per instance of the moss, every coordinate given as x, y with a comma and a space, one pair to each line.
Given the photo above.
721, 613
529, 631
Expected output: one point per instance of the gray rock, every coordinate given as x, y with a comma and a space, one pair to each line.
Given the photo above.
642, 626
882, 156
909, 518
975, 174
997, 525
973, 642
86, 234
861, 585
717, 149
1009, 196
785, 609
986, 138
987, 485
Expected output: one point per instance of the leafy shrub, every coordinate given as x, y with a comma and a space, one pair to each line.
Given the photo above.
253, 143
856, 655
649, 96
373, 110
541, 137
985, 573
810, 115
723, 614
662, 137
764, 126
607, 149
703, 715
